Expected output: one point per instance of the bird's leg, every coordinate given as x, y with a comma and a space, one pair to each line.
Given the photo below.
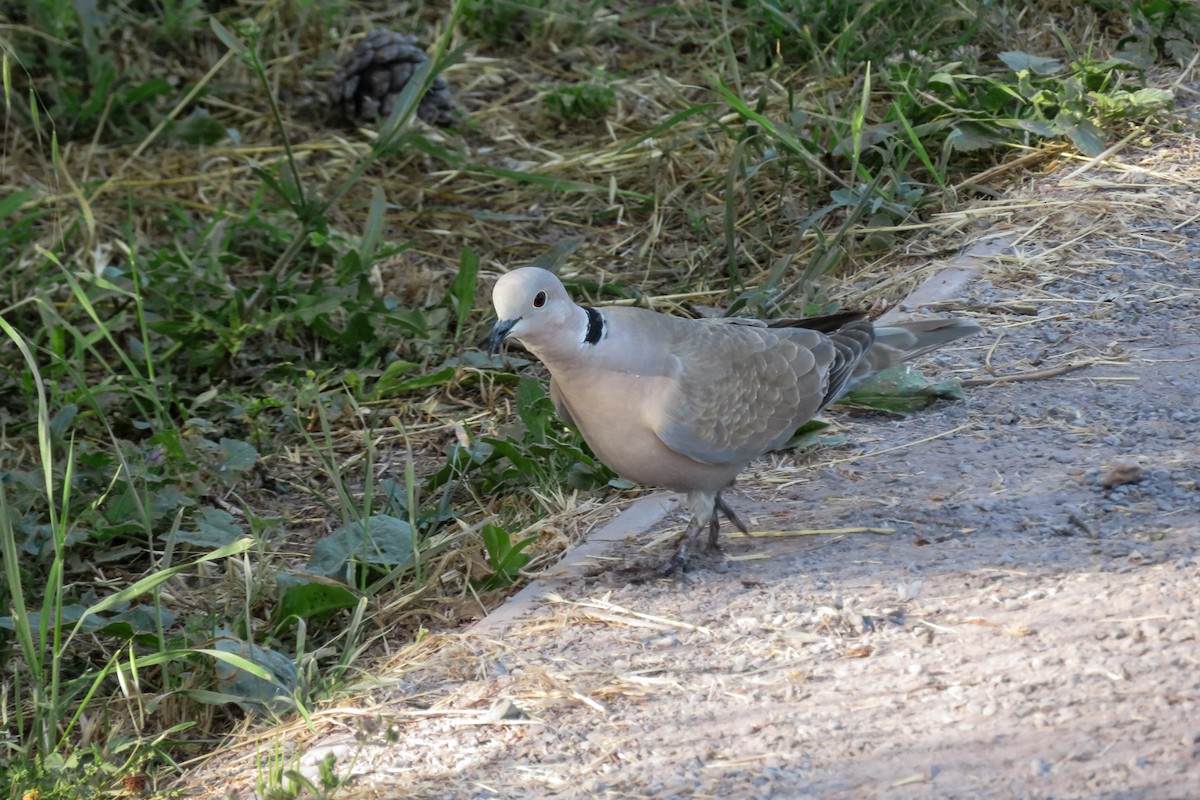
679, 559
719, 504
704, 514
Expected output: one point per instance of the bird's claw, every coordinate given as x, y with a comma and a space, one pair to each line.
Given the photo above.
674, 564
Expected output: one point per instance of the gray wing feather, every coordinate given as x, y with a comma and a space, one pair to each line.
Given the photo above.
740, 391
852, 343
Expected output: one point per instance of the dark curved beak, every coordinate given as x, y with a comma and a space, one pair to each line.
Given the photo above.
500, 332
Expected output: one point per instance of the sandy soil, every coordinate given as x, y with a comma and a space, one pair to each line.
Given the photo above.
1027, 626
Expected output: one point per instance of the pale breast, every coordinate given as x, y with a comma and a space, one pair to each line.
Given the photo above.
612, 413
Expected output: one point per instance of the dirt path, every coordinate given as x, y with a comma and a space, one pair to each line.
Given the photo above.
1020, 630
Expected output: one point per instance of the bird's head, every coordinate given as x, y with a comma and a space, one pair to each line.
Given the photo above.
532, 306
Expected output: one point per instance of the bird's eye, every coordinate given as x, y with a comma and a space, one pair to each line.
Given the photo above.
539, 300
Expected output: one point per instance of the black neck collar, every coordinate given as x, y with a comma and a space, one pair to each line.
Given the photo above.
595, 328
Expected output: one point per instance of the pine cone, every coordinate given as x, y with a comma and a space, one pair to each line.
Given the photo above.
370, 80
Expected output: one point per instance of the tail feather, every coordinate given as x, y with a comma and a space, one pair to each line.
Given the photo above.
895, 344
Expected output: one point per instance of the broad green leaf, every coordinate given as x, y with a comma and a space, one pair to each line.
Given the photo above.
168, 499
309, 597
215, 527
63, 419
147, 90
1040, 127
1151, 97
384, 541
236, 456
146, 618
1083, 133
246, 681
393, 380
811, 434
968, 136
901, 390
141, 619
71, 615
392, 374
200, 128
1039, 65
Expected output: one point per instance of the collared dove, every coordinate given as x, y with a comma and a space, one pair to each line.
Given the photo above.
687, 404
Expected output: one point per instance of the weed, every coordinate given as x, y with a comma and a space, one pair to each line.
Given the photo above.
504, 555
583, 101
839, 37
278, 782
532, 22
79, 82
537, 451
1167, 28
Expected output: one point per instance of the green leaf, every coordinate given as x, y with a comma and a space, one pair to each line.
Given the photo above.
236, 456
14, 201
442, 376
147, 90
268, 677
811, 434
171, 442
228, 38
1083, 133
63, 419
1039, 65
968, 136
360, 330
215, 527
461, 294
413, 320
123, 505
533, 408
556, 256
200, 128
384, 541
392, 376
139, 619
374, 226
1151, 97
307, 597
901, 390
168, 499
71, 615
506, 558
1040, 127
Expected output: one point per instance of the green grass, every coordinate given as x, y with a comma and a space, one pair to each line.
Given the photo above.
248, 443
